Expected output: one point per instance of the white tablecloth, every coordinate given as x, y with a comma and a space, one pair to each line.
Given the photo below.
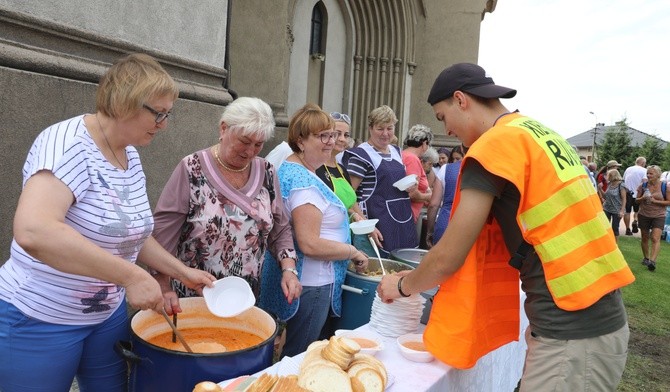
498, 371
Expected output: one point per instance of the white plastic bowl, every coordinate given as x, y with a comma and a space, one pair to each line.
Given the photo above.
408, 353
366, 226
405, 182
229, 297
364, 339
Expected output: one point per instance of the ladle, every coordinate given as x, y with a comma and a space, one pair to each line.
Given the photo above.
177, 333
374, 246
174, 321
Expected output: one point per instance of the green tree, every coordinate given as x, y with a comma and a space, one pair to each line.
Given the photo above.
616, 145
666, 158
652, 150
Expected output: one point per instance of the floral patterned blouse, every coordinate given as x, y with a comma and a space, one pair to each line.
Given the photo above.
208, 224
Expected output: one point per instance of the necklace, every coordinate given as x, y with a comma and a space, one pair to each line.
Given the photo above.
108, 146
308, 166
223, 165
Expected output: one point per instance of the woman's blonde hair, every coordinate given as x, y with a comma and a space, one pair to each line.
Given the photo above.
655, 168
613, 175
130, 83
382, 115
309, 119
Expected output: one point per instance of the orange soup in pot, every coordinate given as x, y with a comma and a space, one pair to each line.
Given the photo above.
208, 340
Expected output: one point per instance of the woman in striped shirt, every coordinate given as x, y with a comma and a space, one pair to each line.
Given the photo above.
82, 223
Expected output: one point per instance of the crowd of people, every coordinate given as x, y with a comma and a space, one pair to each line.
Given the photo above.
83, 226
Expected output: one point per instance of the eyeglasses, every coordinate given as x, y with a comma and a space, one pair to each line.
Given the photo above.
160, 116
327, 136
337, 116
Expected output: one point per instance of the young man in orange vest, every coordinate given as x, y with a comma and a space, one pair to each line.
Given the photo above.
525, 208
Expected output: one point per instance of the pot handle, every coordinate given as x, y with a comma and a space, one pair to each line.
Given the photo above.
124, 349
355, 290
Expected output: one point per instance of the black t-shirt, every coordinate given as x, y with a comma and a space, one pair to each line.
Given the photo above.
324, 172
546, 319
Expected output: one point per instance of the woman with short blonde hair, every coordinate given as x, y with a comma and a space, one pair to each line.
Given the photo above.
651, 217
82, 225
374, 166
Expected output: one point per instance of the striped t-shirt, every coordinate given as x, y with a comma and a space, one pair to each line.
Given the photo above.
111, 210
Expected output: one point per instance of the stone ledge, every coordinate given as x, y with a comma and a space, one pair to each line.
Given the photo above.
37, 45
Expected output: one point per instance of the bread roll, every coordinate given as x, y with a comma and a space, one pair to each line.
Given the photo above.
336, 365
207, 386
325, 379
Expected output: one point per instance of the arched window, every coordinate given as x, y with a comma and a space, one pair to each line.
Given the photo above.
317, 38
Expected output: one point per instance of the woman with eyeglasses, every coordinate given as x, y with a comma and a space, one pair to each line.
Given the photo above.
321, 231
373, 167
222, 208
337, 178
82, 224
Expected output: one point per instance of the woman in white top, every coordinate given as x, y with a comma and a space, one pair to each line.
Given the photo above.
82, 223
320, 230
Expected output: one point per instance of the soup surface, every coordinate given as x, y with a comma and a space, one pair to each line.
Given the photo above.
416, 346
208, 340
364, 343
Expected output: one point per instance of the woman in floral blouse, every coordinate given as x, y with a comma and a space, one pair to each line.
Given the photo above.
222, 208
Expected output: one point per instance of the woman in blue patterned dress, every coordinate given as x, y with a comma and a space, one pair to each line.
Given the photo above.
320, 229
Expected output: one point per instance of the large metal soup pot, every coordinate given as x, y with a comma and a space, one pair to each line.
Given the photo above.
358, 292
153, 368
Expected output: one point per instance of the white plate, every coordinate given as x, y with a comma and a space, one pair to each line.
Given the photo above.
366, 226
229, 297
405, 182
223, 384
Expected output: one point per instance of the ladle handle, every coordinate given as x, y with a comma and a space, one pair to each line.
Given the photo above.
174, 321
374, 246
177, 333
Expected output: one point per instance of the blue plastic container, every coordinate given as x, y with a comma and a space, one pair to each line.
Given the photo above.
358, 293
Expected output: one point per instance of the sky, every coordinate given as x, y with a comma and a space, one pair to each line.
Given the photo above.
568, 58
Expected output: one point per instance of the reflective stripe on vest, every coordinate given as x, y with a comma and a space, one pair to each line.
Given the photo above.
476, 310
559, 211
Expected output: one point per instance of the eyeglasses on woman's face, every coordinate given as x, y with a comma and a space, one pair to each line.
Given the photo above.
160, 116
327, 137
337, 116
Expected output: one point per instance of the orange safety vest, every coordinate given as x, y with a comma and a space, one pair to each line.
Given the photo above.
476, 310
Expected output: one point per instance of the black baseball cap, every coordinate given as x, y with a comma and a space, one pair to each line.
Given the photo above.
469, 78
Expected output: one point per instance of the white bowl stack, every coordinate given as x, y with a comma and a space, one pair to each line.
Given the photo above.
400, 317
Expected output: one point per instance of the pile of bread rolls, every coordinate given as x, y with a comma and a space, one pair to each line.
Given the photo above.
336, 365
264, 383
333, 365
